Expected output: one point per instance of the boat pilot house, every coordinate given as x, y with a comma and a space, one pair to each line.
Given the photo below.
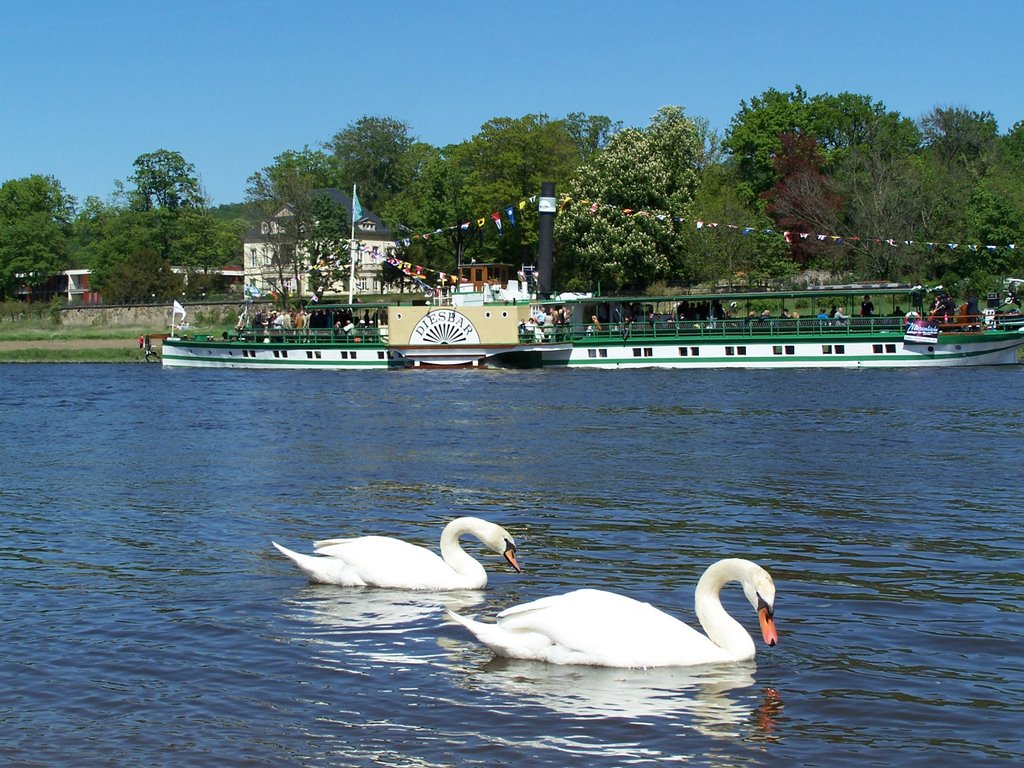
479, 275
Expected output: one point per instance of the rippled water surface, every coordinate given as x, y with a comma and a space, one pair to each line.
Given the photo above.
148, 621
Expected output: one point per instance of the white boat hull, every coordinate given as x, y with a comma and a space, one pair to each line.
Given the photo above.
876, 352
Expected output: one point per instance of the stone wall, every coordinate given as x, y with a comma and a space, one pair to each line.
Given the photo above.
148, 315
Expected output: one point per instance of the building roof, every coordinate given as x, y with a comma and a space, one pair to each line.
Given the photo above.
370, 220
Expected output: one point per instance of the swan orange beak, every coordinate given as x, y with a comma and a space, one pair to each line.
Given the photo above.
768, 632
510, 555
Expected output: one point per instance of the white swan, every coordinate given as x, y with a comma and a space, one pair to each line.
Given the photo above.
381, 561
590, 626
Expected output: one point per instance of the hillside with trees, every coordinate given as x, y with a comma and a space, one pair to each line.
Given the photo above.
835, 184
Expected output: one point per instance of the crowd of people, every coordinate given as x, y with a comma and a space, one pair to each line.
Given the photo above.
346, 321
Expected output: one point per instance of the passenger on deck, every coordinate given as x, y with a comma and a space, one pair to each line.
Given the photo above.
839, 318
867, 307
822, 314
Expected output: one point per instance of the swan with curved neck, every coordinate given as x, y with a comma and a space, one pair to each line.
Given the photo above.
590, 626
381, 561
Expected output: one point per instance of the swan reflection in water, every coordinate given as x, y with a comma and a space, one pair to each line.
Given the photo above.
360, 627
716, 700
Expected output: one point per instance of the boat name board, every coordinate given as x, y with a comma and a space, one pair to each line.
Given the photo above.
922, 331
444, 326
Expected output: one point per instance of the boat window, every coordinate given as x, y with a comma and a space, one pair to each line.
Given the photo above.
890, 348
777, 349
648, 351
591, 353
840, 349
682, 351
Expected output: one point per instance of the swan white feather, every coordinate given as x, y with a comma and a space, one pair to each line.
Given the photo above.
381, 561
590, 626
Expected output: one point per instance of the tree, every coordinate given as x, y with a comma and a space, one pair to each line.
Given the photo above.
302, 223
590, 133
435, 199
452, 189
169, 200
145, 277
621, 230
164, 180
105, 235
370, 153
754, 135
960, 137
505, 162
721, 255
803, 200
35, 223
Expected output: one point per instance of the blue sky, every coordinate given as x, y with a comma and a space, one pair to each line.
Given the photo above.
90, 86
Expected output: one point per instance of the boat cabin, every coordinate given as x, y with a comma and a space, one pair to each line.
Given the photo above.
479, 275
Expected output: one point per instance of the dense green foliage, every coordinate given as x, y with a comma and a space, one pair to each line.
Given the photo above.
831, 182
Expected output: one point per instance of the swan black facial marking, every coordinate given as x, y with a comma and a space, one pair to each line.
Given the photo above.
762, 604
510, 556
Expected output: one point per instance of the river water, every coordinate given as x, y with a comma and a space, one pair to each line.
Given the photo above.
148, 621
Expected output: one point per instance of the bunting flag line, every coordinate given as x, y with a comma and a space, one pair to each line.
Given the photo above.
479, 222
699, 224
566, 201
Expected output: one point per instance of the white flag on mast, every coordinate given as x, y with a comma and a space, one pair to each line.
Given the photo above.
178, 310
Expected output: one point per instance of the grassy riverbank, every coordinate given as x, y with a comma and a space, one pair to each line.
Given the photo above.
45, 352
48, 343
54, 333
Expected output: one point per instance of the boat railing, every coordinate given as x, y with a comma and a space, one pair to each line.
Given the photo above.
732, 327
359, 335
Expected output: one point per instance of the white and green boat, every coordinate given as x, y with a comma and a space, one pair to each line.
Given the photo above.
745, 329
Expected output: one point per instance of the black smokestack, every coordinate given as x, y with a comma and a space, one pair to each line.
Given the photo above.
545, 239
